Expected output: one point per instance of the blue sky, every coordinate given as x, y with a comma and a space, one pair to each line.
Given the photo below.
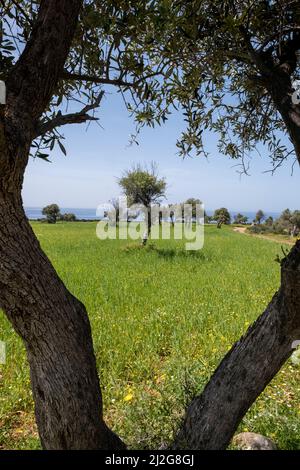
96, 157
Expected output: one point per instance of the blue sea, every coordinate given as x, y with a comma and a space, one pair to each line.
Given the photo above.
34, 213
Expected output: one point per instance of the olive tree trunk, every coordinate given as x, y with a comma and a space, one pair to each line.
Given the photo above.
52, 323
56, 332
249, 366
148, 221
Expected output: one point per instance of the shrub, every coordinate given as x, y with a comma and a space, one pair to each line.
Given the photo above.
68, 217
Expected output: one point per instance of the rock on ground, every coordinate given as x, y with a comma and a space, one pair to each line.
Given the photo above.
253, 441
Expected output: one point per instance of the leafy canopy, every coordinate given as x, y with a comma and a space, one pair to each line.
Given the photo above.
231, 54
143, 186
222, 216
287, 221
259, 216
111, 47
193, 203
52, 213
218, 62
240, 219
232, 68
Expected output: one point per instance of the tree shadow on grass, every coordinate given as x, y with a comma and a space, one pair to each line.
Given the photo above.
166, 253
172, 253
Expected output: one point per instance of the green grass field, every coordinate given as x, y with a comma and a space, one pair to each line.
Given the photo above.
162, 319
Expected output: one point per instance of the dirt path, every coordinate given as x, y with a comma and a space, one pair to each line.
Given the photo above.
263, 237
240, 229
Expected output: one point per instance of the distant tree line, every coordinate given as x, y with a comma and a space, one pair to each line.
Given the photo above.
287, 224
138, 186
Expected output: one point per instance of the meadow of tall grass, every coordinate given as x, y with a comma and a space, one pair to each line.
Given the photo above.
162, 319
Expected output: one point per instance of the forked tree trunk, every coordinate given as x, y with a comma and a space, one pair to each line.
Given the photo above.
54, 325
246, 370
56, 332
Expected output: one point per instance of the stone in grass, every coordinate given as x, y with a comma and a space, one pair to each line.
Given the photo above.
253, 441
295, 358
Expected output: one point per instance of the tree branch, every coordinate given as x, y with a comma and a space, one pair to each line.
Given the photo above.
254, 54
98, 80
19, 7
32, 81
108, 81
72, 118
239, 56
278, 35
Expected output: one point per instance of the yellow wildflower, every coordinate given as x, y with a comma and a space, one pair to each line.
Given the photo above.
128, 397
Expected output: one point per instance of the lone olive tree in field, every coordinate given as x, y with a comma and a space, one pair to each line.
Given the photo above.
52, 213
231, 66
143, 186
259, 216
222, 216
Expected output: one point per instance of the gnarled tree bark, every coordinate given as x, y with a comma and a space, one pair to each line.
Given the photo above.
246, 370
52, 323
56, 331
